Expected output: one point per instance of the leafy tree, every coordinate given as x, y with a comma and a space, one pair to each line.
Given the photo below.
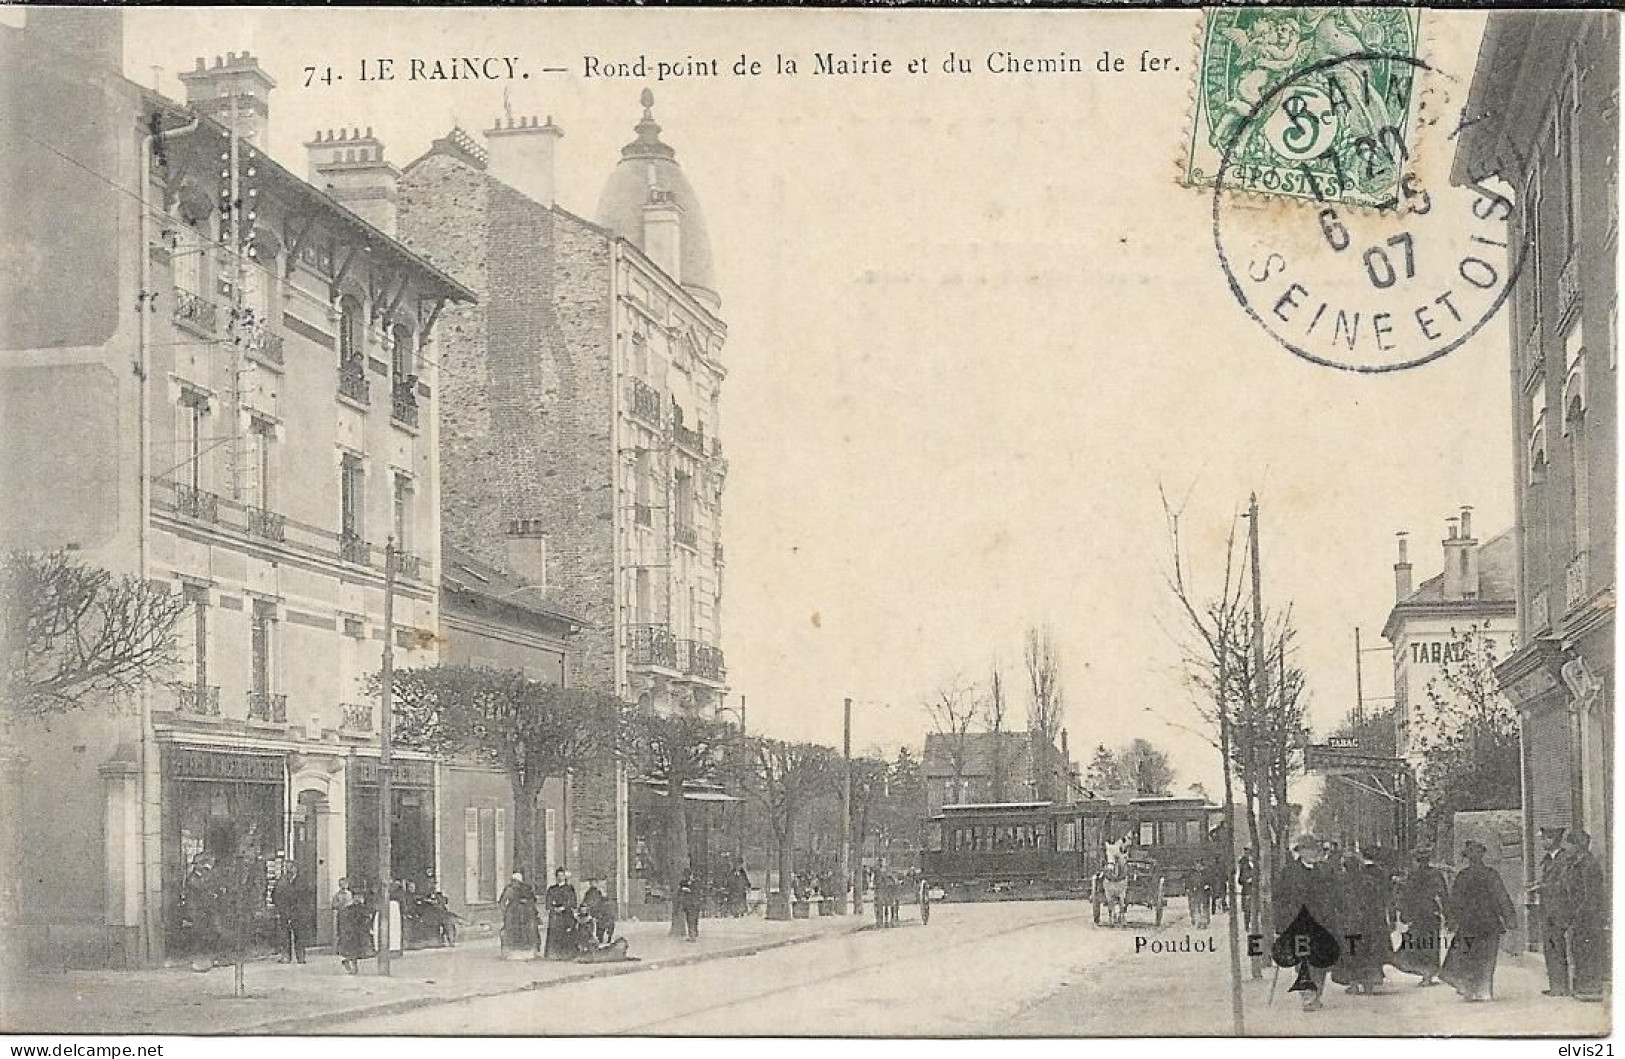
1146, 767
1046, 708
676, 750
784, 777
898, 813
1468, 735
1103, 775
533, 730
71, 633
1357, 806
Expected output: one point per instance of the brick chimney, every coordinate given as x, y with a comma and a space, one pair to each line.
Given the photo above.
1460, 557
236, 80
1402, 569
521, 155
349, 165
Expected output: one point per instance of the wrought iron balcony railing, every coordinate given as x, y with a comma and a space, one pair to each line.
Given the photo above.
703, 660
355, 716
1568, 285
197, 503
651, 645
200, 700
268, 706
1575, 580
403, 405
352, 549
645, 402
689, 438
195, 310
263, 343
408, 565
686, 534
353, 381
267, 524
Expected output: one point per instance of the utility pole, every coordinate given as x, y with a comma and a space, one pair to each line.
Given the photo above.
1238, 1015
846, 811
1266, 855
1359, 687
385, 765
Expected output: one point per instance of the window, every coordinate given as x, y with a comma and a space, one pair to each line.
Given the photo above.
194, 418
350, 497
685, 500
643, 485
485, 860
1537, 435
261, 463
187, 260
352, 334
643, 601
403, 512
1193, 832
262, 645
198, 596
402, 362
1148, 834
1568, 158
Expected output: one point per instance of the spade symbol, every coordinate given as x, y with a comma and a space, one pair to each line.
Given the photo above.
1304, 943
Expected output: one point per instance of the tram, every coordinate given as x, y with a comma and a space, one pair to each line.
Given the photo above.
1034, 850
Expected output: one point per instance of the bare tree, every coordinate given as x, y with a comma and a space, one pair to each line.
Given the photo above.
995, 709
784, 777
953, 710
71, 633
1046, 707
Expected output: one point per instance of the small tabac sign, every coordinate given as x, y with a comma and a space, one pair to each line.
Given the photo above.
1336, 756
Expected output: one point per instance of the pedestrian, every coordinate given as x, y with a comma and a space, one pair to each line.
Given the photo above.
352, 926
1246, 880
561, 917
688, 905
1366, 926
1555, 914
521, 937
1422, 899
1586, 895
1479, 912
739, 890
1304, 886
602, 910
293, 900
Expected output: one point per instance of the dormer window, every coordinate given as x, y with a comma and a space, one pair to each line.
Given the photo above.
352, 335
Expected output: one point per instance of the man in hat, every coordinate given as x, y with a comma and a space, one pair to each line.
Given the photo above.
1586, 896
1421, 905
1555, 914
1303, 885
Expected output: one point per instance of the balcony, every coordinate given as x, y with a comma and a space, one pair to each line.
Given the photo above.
642, 514
651, 645
353, 381
702, 660
267, 525
690, 439
1568, 286
269, 707
199, 700
1540, 613
263, 344
1532, 357
646, 402
355, 716
352, 549
403, 406
195, 311
1575, 580
408, 565
196, 503
686, 534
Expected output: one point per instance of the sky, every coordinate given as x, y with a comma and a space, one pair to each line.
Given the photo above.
974, 324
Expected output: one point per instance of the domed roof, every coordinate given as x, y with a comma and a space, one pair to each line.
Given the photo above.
648, 164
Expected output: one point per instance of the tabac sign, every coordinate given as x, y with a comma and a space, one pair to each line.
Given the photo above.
1343, 755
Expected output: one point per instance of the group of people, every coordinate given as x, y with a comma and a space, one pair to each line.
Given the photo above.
576, 925
889, 888
1353, 896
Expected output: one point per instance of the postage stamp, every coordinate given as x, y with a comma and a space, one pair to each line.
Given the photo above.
1295, 142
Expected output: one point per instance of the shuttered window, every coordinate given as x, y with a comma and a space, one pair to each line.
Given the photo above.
1546, 741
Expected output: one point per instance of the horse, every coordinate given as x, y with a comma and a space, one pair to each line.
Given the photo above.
1114, 881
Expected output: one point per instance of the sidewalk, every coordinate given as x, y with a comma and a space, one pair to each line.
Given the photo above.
316, 996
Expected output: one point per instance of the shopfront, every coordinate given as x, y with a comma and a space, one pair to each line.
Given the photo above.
223, 822
412, 823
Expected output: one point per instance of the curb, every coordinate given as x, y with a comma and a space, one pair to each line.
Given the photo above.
307, 1024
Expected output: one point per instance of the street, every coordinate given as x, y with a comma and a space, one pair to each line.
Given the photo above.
1002, 969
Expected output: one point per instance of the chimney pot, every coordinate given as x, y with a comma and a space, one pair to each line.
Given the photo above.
1466, 521
201, 63
369, 132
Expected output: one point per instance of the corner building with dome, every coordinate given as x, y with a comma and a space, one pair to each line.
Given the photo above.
580, 440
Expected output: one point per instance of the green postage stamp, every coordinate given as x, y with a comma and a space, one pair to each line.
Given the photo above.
1311, 103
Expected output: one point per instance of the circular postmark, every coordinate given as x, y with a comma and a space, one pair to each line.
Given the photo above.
1342, 235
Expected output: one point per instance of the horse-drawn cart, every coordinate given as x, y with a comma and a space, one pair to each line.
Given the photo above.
1128, 881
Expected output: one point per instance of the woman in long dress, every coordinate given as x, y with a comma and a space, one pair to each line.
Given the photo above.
354, 927
520, 933
561, 918
1479, 912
